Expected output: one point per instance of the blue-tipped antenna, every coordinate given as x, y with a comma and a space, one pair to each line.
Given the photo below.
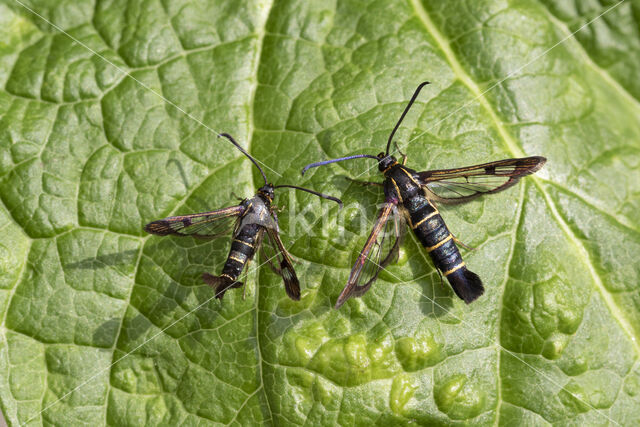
326, 162
393, 132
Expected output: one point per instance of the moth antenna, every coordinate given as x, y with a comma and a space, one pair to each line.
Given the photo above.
324, 196
326, 162
233, 141
404, 113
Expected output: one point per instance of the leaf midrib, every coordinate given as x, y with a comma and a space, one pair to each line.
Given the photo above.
515, 150
250, 133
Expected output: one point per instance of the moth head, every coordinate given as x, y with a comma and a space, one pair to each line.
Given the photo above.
385, 162
266, 191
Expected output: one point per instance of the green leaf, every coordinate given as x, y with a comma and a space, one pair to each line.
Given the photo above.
108, 119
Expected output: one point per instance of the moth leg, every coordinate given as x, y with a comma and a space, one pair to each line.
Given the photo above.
404, 156
469, 248
244, 289
246, 279
365, 183
235, 196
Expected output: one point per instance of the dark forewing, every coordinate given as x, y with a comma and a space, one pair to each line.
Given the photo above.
284, 266
206, 224
380, 249
463, 184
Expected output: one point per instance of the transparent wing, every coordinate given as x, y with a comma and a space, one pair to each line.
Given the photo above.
463, 184
205, 225
380, 249
269, 255
281, 263
269, 252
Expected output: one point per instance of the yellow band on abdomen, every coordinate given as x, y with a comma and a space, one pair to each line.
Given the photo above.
456, 268
431, 215
440, 243
244, 243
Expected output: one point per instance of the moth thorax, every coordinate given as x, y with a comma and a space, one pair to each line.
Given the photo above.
386, 162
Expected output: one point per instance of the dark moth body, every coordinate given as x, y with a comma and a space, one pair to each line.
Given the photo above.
409, 198
249, 221
246, 240
252, 218
243, 247
402, 184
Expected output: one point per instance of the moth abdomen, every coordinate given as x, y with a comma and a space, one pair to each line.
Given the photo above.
440, 244
243, 247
